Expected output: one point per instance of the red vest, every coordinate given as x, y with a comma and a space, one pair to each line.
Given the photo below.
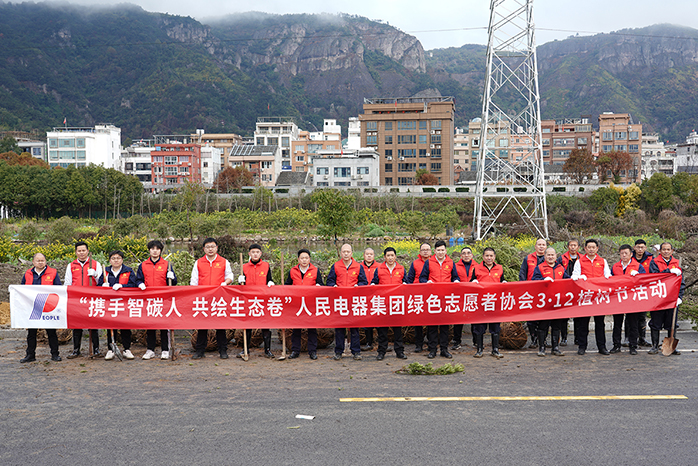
386, 277
347, 276
485, 275
46, 279
532, 262
155, 274
309, 279
440, 273
255, 274
79, 272
124, 276
591, 269
369, 271
211, 273
645, 263
418, 265
663, 266
463, 275
618, 267
556, 272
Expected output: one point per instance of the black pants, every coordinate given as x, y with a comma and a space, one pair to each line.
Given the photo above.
398, 345
419, 336
296, 340
661, 319
52, 341
555, 324
77, 339
202, 340
480, 329
368, 331
458, 334
641, 326
631, 328
266, 337
437, 335
354, 343
125, 338
151, 340
581, 331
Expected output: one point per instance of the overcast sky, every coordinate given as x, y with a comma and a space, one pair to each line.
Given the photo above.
452, 23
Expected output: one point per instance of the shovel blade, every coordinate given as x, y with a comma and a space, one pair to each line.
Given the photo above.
669, 345
117, 351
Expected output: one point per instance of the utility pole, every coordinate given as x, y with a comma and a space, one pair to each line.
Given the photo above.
510, 174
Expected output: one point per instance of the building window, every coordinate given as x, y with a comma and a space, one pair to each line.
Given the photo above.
36, 151
184, 170
314, 148
285, 141
607, 136
300, 158
66, 154
372, 140
266, 164
436, 152
405, 181
422, 152
388, 139
80, 143
388, 181
546, 142
170, 171
388, 125
388, 152
362, 171
633, 148
422, 138
436, 167
436, 139
342, 183
128, 166
633, 135
260, 141
435, 124
170, 160
423, 124
342, 172
606, 148
322, 171
371, 126
422, 166
407, 139
621, 135
67, 142
406, 125
407, 152
620, 147
504, 153
323, 183
388, 167
363, 183
53, 143
406, 167
81, 154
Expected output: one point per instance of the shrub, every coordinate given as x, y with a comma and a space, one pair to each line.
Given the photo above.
462, 190
444, 190
29, 232
428, 190
61, 231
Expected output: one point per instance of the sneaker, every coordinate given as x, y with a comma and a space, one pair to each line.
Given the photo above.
128, 354
337, 356
165, 355
150, 354
357, 357
109, 356
456, 346
615, 349
312, 355
74, 354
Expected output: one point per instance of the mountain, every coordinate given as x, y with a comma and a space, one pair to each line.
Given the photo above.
154, 73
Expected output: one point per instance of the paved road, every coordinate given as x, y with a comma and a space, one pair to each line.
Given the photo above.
230, 412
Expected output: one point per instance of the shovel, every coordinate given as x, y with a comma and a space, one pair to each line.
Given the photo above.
114, 346
669, 344
245, 355
170, 333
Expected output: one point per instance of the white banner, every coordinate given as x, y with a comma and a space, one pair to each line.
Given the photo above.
38, 306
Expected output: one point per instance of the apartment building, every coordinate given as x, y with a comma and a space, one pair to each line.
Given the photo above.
80, 147
655, 158
617, 132
277, 131
310, 143
561, 137
173, 163
341, 168
136, 160
410, 133
223, 141
263, 161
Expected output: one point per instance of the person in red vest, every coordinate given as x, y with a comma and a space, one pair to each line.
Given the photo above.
118, 276
346, 272
257, 272
590, 265
626, 266
370, 265
465, 268
664, 263
155, 271
413, 277
550, 270
305, 274
488, 272
83, 271
389, 273
438, 269
641, 255
568, 259
525, 273
211, 270
41, 274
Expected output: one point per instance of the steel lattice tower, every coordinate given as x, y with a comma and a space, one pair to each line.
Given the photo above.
511, 107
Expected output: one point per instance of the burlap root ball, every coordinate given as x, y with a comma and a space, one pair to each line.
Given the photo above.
64, 336
513, 335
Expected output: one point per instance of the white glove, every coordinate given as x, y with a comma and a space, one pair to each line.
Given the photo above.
317, 284
371, 283
224, 283
633, 273
550, 279
270, 283
170, 275
582, 277
117, 286
675, 271
241, 279
106, 285
475, 281
679, 301
429, 281
142, 286
456, 281
91, 273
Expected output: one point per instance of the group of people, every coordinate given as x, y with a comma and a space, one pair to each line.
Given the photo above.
212, 269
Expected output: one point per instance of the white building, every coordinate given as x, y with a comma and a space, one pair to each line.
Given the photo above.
210, 164
136, 160
277, 131
354, 138
100, 145
351, 168
655, 158
263, 161
36, 149
687, 155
